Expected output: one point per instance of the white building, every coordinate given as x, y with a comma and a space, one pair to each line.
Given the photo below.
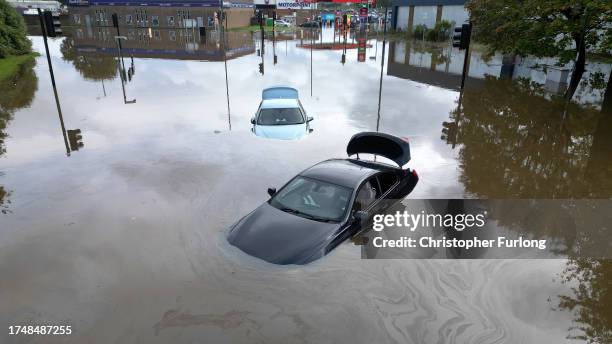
22, 5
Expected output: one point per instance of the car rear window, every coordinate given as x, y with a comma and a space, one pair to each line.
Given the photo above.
280, 116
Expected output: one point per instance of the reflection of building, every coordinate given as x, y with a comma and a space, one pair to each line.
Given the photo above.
181, 29
409, 13
442, 66
433, 66
158, 42
23, 5
331, 39
157, 14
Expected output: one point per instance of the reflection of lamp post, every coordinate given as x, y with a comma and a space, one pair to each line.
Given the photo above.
343, 58
275, 58
223, 37
311, 45
376, 49
57, 102
122, 69
382, 66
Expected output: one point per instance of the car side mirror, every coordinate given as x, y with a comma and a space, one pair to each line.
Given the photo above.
253, 120
271, 191
309, 119
361, 215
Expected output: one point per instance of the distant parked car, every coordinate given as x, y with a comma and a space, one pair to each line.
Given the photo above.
280, 22
310, 24
281, 115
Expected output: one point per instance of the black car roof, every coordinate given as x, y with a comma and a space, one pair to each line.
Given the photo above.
345, 172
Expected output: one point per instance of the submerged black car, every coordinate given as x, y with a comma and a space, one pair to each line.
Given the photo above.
327, 203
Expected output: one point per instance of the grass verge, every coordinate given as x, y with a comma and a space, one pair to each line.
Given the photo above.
10, 64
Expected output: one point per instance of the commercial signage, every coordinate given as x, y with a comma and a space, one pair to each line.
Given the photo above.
293, 4
264, 2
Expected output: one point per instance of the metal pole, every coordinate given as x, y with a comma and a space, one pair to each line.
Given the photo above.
121, 71
120, 47
57, 102
465, 66
311, 46
382, 66
466, 59
229, 117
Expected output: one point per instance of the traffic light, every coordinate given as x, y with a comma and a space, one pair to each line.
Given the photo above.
261, 68
449, 132
461, 38
115, 20
275, 59
75, 139
53, 27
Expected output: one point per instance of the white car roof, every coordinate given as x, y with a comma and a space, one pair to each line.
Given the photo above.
282, 103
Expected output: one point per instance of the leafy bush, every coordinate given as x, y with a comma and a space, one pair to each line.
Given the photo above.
13, 40
418, 31
431, 35
443, 29
440, 31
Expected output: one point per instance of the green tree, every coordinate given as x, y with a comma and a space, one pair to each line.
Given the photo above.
565, 29
13, 40
92, 67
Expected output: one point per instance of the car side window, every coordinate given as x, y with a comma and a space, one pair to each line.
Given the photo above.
367, 194
386, 181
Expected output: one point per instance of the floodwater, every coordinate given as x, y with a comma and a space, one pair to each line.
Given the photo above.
124, 238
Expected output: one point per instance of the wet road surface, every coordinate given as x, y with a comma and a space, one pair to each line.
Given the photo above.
124, 239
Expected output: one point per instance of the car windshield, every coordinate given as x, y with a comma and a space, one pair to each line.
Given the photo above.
280, 116
313, 199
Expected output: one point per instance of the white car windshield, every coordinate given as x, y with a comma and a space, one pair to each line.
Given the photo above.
313, 199
280, 116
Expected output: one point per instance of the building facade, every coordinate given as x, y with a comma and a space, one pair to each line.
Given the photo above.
161, 14
167, 42
407, 14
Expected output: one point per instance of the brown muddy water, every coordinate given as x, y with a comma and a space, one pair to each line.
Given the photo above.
124, 239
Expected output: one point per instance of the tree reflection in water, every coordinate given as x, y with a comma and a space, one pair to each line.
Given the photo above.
16, 92
92, 67
591, 300
514, 142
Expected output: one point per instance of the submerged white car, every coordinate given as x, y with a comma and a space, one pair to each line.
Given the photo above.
281, 115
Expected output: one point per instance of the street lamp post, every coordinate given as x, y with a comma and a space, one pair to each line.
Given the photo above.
57, 102
121, 66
